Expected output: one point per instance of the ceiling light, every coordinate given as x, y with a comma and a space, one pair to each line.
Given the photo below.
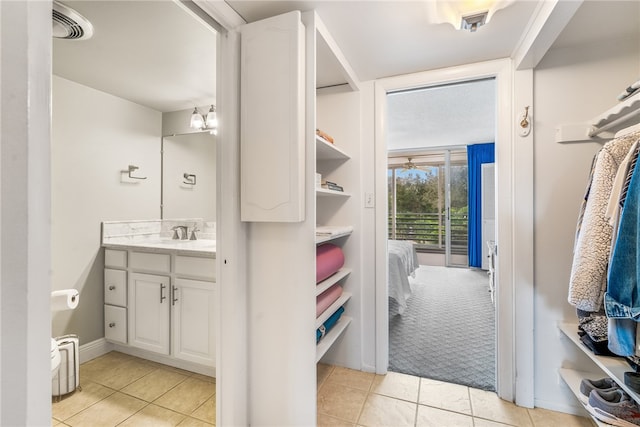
464, 14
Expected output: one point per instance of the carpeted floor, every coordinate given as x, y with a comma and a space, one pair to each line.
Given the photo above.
447, 331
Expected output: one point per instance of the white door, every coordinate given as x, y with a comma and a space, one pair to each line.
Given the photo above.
193, 329
149, 312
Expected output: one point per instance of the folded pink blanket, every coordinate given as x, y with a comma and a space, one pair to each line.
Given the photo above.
329, 259
328, 297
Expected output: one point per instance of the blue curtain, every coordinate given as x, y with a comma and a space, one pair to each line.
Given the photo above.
477, 154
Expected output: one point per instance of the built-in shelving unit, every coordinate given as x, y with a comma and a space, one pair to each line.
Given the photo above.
323, 239
613, 367
327, 151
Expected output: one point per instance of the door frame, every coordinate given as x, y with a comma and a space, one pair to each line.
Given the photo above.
508, 267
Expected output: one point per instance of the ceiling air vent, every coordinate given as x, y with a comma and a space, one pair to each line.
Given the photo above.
69, 24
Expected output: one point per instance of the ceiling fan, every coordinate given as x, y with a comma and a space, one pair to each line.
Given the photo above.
409, 165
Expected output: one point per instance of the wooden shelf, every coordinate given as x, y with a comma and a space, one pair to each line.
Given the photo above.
332, 308
614, 367
323, 239
327, 151
573, 379
327, 341
332, 280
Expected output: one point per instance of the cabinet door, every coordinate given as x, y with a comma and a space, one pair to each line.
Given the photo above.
193, 329
272, 120
149, 310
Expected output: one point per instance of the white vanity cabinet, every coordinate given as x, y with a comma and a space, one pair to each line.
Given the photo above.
161, 302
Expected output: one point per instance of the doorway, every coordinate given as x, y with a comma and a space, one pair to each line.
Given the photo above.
433, 205
114, 97
507, 263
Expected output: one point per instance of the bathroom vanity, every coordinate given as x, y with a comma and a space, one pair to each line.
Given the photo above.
160, 297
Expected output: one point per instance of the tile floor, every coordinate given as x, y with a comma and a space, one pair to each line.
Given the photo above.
122, 390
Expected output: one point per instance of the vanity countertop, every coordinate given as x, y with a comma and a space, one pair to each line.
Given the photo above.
201, 248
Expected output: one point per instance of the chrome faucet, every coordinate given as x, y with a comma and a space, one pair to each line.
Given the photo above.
181, 234
193, 233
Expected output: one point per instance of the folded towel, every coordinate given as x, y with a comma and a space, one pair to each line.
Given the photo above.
329, 324
328, 297
329, 259
333, 230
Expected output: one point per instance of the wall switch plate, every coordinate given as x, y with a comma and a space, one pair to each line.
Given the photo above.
369, 201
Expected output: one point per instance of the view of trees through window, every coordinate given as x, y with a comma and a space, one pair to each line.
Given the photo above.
420, 210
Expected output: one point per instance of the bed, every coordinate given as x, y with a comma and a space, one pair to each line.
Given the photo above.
403, 262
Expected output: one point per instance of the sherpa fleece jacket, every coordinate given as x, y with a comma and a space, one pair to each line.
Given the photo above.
588, 280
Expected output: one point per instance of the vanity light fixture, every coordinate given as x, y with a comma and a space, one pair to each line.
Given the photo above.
201, 122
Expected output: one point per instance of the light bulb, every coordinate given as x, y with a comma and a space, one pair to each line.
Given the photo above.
197, 122
212, 118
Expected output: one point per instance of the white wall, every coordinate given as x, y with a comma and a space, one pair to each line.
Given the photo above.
572, 85
96, 136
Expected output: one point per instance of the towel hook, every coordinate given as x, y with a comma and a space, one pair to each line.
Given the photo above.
190, 178
132, 169
525, 122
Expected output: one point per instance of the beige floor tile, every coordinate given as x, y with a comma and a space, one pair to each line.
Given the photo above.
488, 405
399, 386
322, 373
187, 396
544, 417
382, 411
206, 378
79, 400
452, 397
118, 374
341, 402
192, 422
351, 378
55, 422
153, 416
207, 411
479, 422
108, 412
155, 384
325, 420
433, 417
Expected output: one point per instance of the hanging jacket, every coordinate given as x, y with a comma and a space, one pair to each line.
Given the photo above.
588, 280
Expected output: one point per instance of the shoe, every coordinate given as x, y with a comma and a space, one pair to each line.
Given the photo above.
614, 407
587, 385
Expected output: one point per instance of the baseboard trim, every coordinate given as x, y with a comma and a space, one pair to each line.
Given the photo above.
94, 349
166, 360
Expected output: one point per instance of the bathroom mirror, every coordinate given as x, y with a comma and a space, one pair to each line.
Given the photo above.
188, 188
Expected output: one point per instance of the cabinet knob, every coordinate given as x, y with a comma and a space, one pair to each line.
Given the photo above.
112, 324
112, 287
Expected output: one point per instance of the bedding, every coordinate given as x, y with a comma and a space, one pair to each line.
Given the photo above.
403, 262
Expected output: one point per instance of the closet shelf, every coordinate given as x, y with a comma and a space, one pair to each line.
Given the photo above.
605, 125
332, 280
573, 379
327, 151
332, 308
322, 238
323, 192
327, 341
614, 367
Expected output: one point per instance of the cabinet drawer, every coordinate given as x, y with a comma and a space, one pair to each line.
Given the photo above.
197, 267
115, 258
115, 323
115, 287
151, 262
